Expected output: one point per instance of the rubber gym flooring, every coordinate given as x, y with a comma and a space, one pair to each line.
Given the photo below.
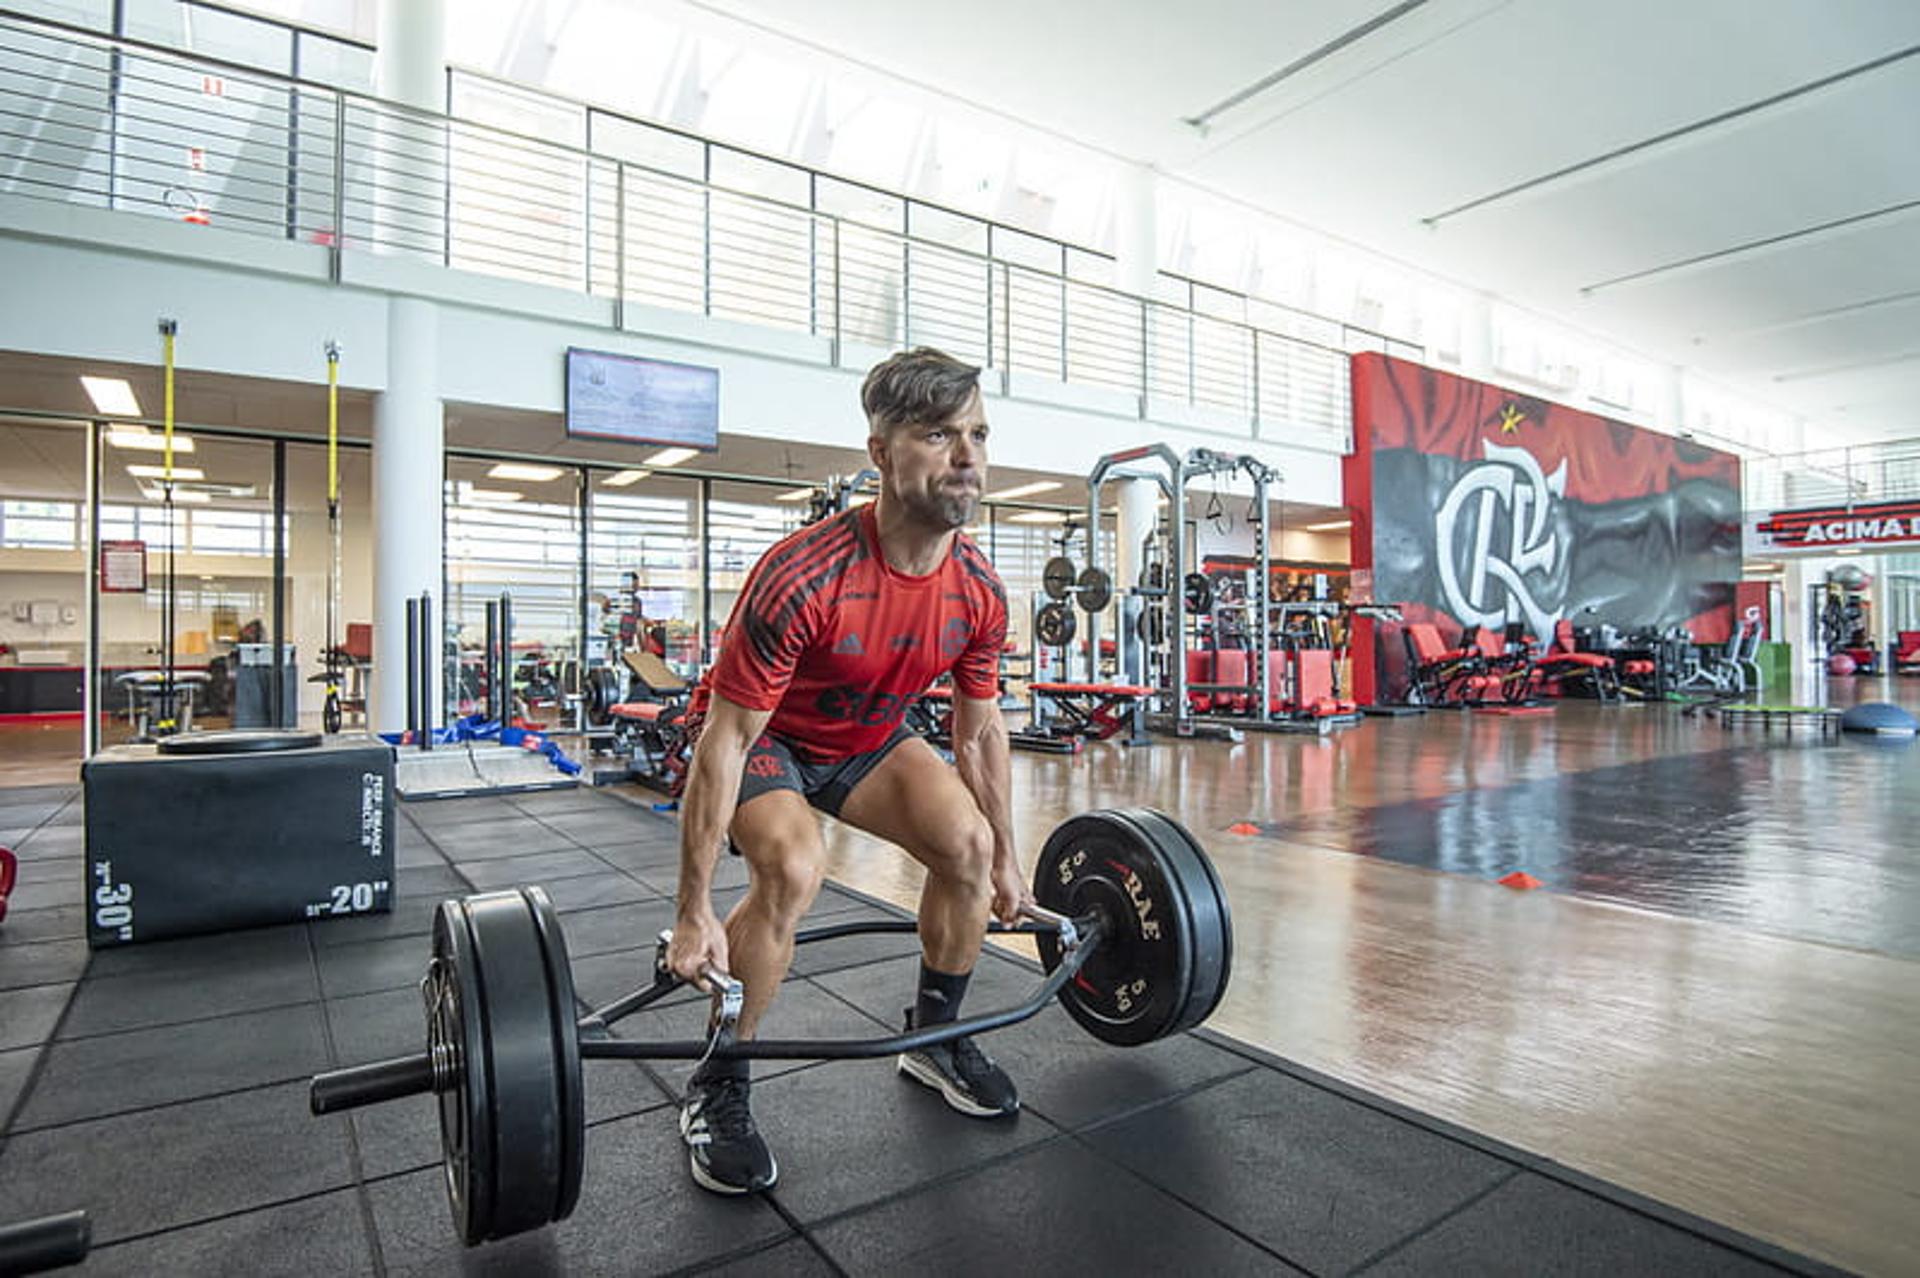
163, 1088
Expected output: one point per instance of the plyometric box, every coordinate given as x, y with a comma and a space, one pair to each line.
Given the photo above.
180, 844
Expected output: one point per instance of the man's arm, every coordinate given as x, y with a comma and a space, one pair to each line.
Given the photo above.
706, 810
983, 757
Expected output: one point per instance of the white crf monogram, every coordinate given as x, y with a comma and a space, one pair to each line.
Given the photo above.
1495, 585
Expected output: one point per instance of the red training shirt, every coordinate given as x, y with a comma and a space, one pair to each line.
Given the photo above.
838, 644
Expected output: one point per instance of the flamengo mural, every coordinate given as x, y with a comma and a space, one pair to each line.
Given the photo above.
1479, 506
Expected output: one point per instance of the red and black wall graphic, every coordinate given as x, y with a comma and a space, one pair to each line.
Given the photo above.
1883, 522
1479, 506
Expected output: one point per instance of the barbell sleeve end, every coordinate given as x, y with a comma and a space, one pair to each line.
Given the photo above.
370, 1084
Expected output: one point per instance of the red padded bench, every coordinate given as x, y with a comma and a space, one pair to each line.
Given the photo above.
1095, 711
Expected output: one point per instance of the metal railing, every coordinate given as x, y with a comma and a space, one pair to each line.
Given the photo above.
1856, 475
121, 125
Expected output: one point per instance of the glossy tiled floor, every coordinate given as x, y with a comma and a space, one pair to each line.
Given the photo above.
1714, 1000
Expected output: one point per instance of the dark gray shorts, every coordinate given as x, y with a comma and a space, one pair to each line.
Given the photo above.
773, 765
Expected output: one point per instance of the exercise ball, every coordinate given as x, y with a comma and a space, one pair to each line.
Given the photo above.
1851, 576
1841, 664
1882, 718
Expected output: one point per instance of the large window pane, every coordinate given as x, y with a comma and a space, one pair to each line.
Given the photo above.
643, 547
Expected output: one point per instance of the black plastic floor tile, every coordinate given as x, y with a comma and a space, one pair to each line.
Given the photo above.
395, 963
42, 896
42, 963
49, 841
61, 868
639, 1213
640, 858
491, 840
664, 877
541, 867
16, 1067
91, 1077
1310, 1175
850, 1133
27, 1016
62, 922
899, 949
617, 927
323, 1235
1532, 1225
257, 947
25, 813
592, 890
1063, 1073
162, 1168
108, 1005
794, 1258
1057, 1209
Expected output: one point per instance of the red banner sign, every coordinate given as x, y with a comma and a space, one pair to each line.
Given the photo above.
1886, 522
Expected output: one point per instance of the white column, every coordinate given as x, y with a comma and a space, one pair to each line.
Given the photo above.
410, 154
1671, 415
408, 447
1136, 230
1137, 512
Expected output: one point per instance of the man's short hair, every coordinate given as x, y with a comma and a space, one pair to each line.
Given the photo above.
920, 385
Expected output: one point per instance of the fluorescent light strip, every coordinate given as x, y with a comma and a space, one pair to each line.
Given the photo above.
798, 494
160, 472
621, 478
140, 439
489, 496
1025, 490
1038, 517
112, 395
520, 470
671, 456
1328, 527
181, 496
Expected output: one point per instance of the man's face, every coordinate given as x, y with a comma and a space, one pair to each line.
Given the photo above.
936, 471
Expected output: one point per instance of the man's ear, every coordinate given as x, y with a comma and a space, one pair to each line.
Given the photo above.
877, 450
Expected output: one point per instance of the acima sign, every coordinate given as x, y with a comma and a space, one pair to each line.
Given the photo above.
1888, 522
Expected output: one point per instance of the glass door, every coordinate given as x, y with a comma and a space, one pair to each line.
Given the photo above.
43, 598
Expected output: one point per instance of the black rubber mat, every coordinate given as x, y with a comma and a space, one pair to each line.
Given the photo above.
164, 1090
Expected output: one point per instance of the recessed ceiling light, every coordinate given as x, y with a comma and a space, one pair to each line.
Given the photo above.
521, 470
160, 472
1025, 490
140, 439
1848, 550
671, 456
1039, 517
798, 494
621, 478
112, 395
1329, 526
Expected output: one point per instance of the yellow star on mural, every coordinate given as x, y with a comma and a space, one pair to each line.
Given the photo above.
1510, 419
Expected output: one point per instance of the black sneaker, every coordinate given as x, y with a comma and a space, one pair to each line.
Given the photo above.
724, 1148
964, 1075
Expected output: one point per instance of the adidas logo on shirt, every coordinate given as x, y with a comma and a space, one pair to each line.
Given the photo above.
851, 644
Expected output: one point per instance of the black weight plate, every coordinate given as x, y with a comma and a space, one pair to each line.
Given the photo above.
456, 1030
1057, 577
240, 741
1055, 625
1213, 921
1096, 589
1199, 592
566, 1041
1161, 964
524, 1069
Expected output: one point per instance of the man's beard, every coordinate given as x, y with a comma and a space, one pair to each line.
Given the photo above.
947, 508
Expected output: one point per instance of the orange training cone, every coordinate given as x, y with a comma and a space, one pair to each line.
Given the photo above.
1520, 881
1243, 827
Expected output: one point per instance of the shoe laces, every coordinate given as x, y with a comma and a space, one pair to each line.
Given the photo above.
723, 1104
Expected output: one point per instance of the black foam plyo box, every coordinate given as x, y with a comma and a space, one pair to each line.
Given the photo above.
186, 844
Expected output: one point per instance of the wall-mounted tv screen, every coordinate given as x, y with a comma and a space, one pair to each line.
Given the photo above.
642, 401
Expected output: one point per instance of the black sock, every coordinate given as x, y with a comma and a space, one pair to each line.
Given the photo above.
939, 998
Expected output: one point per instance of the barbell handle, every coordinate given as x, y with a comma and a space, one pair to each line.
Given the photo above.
47, 1243
359, 1085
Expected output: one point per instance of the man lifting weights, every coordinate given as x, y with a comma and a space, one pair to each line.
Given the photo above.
841, 626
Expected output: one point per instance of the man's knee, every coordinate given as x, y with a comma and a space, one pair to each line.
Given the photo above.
785, 874
963, 853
